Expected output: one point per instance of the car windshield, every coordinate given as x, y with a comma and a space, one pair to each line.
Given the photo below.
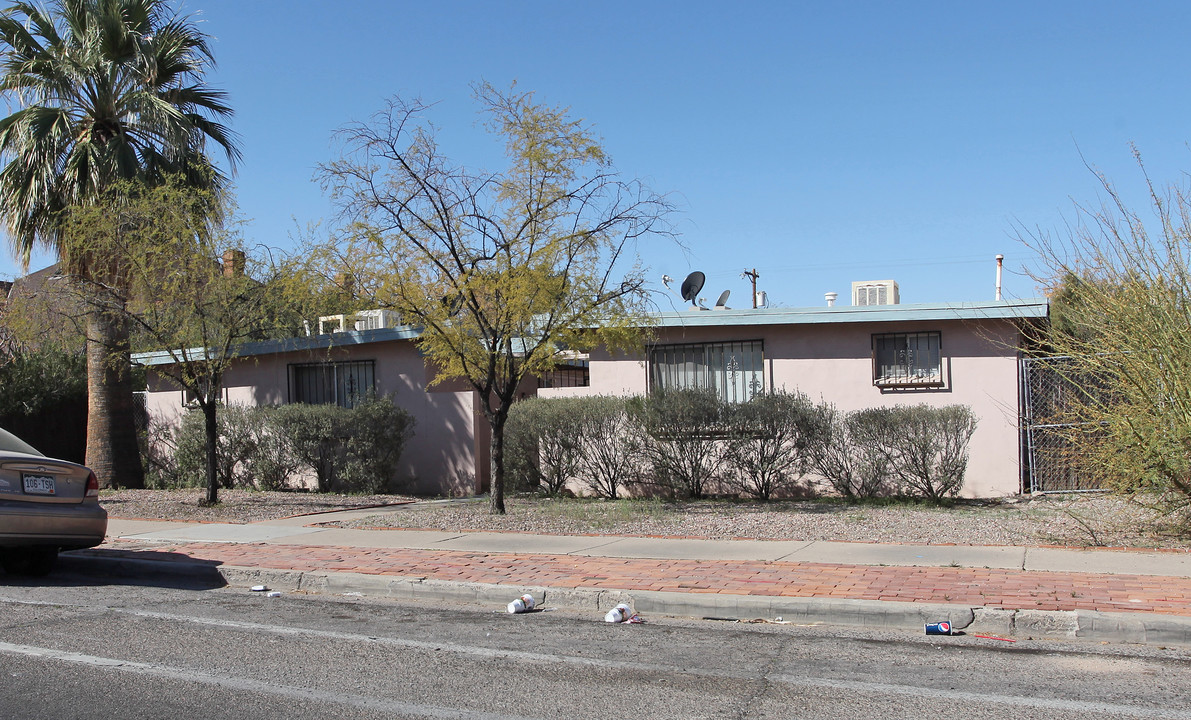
12, 443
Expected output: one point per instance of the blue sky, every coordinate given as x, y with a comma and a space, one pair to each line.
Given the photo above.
820, 143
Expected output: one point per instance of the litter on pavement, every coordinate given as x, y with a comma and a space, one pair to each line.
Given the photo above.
622, 613
523, 604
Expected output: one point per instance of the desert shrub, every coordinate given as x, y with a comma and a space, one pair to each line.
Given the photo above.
846, 460
272, 464
609, 446
926, 447
246, 453
354, 450
160, 456
682, 438
379, 431
317, 437
542, 443
238, 427
349, 450
181, 461
770, 442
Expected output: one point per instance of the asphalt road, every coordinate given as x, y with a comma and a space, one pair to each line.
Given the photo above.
70, 648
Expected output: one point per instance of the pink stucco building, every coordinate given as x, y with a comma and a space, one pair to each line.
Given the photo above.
852, 356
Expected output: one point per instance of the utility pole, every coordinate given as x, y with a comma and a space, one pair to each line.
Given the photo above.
752, 275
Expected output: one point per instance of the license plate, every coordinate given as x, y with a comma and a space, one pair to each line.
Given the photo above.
39, 484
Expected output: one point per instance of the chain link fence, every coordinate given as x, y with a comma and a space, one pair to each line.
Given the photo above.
1048, 392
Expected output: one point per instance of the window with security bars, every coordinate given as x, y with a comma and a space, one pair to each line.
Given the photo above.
571, 373
735, 370
332, 383
908, 360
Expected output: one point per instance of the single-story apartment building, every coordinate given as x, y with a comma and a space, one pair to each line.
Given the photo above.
852, 356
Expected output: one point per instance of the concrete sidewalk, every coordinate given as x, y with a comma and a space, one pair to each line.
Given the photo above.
1118, 596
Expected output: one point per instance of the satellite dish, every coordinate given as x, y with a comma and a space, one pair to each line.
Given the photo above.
692, 285
723, 299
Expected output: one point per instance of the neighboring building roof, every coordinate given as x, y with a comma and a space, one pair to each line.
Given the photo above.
312, 342
1033, 308
991, 310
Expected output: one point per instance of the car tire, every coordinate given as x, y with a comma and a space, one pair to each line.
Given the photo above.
33, 562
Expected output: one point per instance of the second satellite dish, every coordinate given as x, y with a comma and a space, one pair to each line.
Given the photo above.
692, 285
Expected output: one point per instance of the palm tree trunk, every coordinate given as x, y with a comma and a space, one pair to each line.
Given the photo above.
112, 450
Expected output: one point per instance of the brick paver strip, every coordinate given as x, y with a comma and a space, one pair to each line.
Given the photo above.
1010, 589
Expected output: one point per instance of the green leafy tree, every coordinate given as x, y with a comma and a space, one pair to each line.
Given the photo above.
501, 270
189, 290
107, 91
1122, 281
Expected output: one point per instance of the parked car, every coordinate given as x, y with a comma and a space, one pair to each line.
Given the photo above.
46, 505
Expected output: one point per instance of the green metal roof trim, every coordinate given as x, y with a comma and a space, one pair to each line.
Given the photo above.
991, 310
312, 342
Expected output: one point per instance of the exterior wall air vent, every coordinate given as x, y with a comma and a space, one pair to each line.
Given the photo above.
875, 292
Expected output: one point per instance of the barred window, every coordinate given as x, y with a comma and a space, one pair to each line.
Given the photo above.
735, 370
332, 383
908, 360
575, 372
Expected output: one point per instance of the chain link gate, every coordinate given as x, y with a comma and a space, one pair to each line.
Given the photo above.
1048, 457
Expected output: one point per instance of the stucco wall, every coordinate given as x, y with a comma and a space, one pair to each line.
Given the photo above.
440, 458
832, 363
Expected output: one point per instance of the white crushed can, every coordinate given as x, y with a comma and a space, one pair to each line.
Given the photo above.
619, 614
530, 603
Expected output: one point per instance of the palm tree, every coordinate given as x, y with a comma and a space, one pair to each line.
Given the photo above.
109, 92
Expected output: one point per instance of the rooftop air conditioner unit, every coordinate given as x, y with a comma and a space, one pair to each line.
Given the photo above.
875, 292
376, 319
332, 324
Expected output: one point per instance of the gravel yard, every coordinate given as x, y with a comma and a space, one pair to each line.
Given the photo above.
1071, 520
235, 506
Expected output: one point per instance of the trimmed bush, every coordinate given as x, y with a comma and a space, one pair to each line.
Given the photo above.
847, 461
349, 450
683, 438
542, 443
770, 442
354, 450
926, 447
610, 446
379, 431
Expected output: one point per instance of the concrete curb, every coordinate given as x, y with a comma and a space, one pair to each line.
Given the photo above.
1138, 628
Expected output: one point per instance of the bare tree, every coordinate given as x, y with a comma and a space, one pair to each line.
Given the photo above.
503, 271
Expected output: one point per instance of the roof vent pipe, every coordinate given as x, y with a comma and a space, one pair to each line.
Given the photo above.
1000, 259
830, 297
